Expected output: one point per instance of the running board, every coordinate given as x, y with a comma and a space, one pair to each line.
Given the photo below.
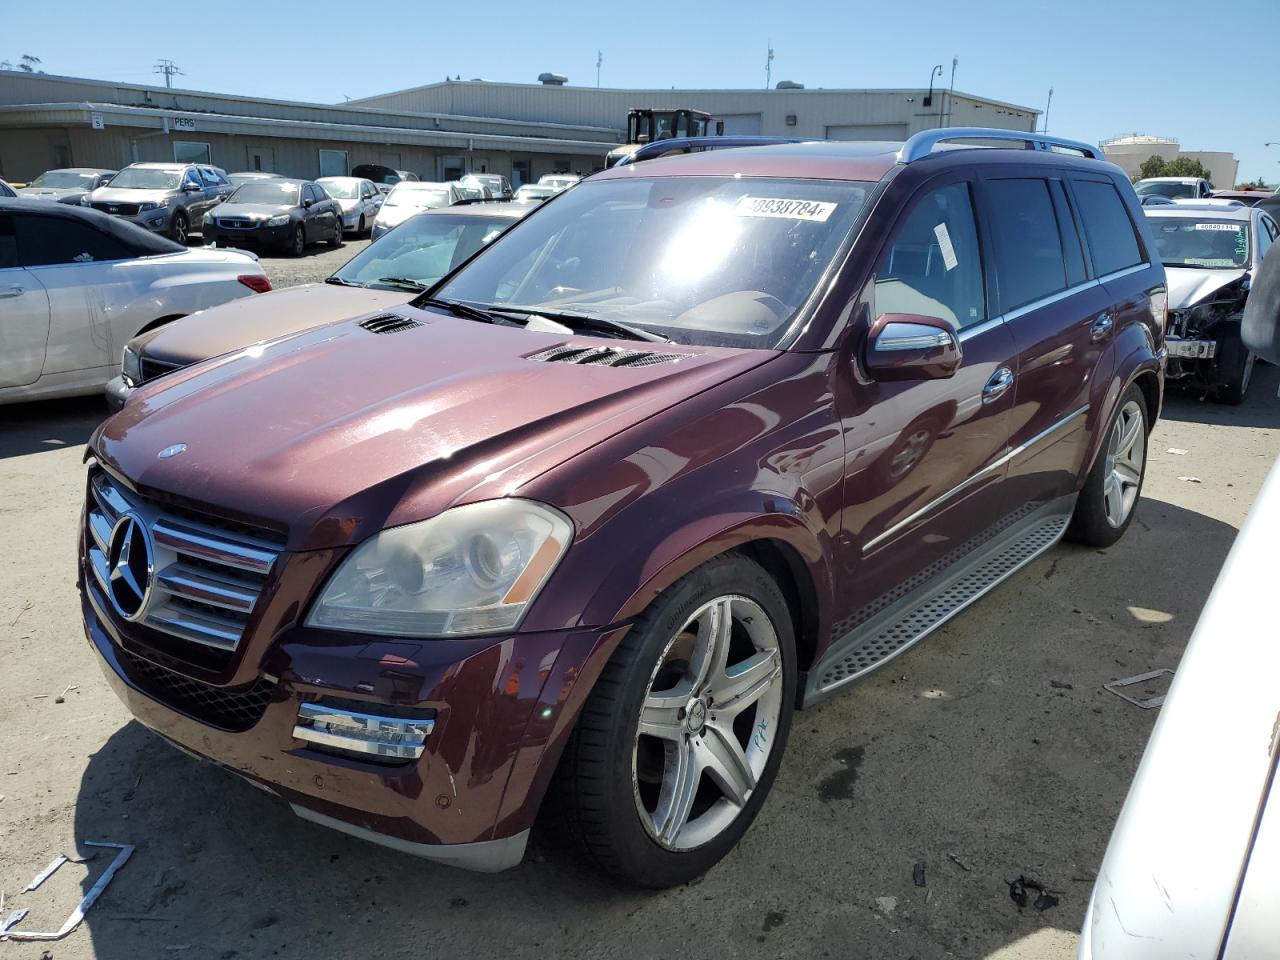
913, 618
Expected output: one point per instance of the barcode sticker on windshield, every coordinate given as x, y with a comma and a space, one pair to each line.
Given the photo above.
944, 242
784, 209
1234, 227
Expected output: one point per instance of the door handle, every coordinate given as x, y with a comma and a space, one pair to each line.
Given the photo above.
998, 385
1101, 327
11, 293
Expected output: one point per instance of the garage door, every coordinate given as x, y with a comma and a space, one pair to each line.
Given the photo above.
741, 124
867, 131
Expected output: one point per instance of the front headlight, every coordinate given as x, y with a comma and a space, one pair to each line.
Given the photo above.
279, 221
131, 366
86, 201
473, 569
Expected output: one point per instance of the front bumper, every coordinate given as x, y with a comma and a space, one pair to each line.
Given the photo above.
117, 392
260, 236
503, 708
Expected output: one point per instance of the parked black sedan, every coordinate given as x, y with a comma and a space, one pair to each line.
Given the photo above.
285, 214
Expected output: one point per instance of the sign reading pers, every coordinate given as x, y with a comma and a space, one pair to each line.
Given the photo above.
184, 123
96, 121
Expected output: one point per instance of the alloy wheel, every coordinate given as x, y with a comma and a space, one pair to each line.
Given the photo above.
1126, 458
707, 723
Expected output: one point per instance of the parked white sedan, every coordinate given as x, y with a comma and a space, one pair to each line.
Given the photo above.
77, 285
359, 199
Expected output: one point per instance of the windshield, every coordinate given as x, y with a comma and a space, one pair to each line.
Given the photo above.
1174, 191
63, 179
280, 193
716, 261
540, 193
422, 249
147, 178
341, 189
1218, 244
401, 197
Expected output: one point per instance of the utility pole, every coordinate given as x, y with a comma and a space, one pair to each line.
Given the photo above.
768, 67
599, 62
1048, 103
168, 68
952, 92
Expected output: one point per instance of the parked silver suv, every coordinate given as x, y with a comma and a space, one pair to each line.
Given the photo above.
167, 198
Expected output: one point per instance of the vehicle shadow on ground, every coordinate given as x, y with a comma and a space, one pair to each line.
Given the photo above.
49, 424
1018, 765
1261, 407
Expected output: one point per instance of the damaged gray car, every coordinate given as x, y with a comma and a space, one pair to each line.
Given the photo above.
1211, 254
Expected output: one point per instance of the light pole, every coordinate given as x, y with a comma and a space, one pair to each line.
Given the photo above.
928, 100
952, 92
1047, 104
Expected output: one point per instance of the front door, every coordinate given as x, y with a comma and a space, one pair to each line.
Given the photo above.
24, 315
925, 458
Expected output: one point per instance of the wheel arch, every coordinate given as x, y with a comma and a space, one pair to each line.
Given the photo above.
1139, 366
159, 322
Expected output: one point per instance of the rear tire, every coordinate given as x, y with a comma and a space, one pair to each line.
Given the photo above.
360, 228
336, 239
710, 666
1234, 368
1109, 499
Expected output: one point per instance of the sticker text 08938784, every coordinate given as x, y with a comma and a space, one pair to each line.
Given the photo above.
784, 209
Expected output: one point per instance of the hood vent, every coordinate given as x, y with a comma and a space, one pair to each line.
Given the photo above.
389, 323
605, 357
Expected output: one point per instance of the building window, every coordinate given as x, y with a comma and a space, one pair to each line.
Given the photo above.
188, 151
521, 173
333, 163
452, 168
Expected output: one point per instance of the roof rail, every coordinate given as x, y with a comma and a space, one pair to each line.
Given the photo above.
660, 148
920, 145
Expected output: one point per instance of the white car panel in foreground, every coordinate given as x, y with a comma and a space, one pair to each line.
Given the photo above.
1193, 867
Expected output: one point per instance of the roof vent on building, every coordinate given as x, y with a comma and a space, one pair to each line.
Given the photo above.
789, 85
389, 323
604, 356
552, 80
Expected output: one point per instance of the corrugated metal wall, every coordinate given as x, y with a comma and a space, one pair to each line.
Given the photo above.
812, 110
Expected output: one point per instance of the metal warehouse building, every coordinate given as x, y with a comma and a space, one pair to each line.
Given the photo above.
439, 131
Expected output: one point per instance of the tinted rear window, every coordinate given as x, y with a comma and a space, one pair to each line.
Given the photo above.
1113, 245
1028, 245
51, 241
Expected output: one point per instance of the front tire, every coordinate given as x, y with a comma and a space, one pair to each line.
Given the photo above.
1109, 499
299, 244
1234, 369
180, 228
681, 738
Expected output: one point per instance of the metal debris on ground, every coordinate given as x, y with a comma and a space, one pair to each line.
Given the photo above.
958, 862
1191, 479
887, 905
46, 873
917, 874
1018, 893
1177, 451
87, 901
1146, 703
13, 920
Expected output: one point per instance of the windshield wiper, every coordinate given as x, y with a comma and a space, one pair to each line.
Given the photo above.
406, 282
460, 310
1191, 266
582, 320
338, 281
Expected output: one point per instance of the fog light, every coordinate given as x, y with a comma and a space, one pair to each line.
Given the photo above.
395, 738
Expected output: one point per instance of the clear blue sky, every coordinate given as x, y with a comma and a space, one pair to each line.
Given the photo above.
1202, 74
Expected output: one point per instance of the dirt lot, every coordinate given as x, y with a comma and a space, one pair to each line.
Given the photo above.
987, 752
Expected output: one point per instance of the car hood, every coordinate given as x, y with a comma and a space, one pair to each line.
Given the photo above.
1189, 287
48, 193
253, 211
129, 195
336, 433
347, 203
394, 216
232, 326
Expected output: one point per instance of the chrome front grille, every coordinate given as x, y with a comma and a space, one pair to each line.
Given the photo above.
207, 574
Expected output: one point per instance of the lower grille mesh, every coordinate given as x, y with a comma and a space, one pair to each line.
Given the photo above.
235, 711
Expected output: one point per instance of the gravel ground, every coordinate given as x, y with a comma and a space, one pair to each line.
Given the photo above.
987, 752
318, 262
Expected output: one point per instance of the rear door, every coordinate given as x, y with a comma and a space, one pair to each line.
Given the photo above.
1062, 324
93, 296
24, 315
925, 458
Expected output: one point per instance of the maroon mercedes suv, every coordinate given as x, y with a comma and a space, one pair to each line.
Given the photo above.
698, 443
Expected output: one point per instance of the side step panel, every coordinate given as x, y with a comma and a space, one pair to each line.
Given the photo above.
911, 619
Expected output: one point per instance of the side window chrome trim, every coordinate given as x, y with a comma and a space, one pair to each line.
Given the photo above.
1053, 298
1127, 271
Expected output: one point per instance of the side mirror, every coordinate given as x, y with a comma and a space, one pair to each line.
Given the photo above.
307, 202
908, 346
